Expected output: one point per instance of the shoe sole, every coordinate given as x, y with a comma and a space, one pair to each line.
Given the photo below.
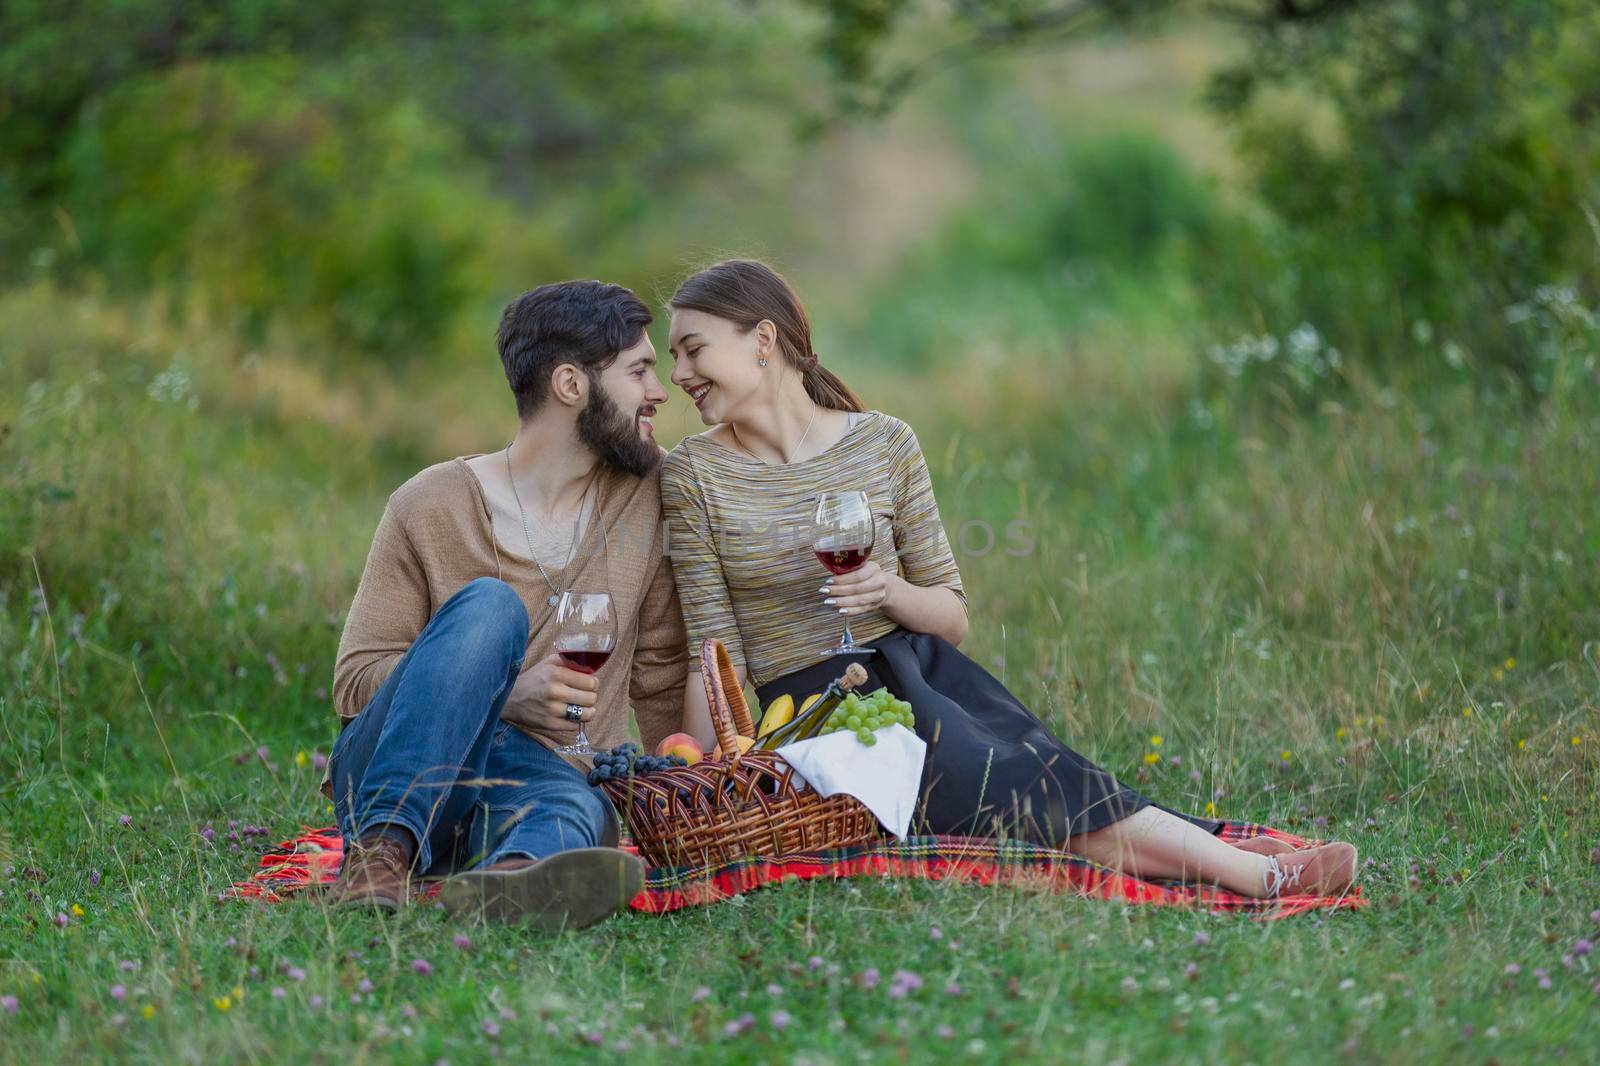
367, 903
567, 890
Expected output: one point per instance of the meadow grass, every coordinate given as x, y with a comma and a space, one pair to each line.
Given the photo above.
1376, 620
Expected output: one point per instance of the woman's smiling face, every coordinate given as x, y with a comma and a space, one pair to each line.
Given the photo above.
716, 364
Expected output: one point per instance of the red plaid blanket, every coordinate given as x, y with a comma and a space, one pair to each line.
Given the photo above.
312, 859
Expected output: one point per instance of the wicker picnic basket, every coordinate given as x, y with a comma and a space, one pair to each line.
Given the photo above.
741, 805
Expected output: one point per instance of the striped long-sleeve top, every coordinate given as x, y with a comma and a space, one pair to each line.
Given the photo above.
739, 534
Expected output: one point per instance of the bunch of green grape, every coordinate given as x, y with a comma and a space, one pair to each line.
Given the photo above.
863, 714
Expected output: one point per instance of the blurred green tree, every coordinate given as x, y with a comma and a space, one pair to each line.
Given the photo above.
342, 163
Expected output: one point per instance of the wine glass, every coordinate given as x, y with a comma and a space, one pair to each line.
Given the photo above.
842, 536
586, 634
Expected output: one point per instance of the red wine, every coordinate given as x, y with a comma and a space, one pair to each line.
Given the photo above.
585, 662
843, 560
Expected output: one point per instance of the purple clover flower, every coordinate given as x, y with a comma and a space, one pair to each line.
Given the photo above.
421, 966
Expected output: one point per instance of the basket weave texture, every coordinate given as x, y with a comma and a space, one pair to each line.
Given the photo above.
741, 805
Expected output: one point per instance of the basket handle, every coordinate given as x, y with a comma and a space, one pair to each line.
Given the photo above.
730, 715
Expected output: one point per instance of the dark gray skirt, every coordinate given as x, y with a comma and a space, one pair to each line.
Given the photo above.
993, 769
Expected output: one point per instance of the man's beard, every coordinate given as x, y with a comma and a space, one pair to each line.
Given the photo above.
614, 436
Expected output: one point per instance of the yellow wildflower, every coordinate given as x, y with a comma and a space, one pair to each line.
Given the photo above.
1285, 755
148, 1010
1466, 712
1511, 664
77, 911
1521, 745
238, 994
1155, 740
223, 1003
1338, 734
1575, 741
1499, 674
1211, 808
301, 759
1151, 758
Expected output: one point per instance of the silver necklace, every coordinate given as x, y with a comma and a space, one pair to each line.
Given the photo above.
555, 593
797, 446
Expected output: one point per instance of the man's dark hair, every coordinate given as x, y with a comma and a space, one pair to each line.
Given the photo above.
588, 323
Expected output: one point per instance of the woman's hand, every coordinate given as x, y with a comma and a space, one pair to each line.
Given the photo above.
541, 693
864, 589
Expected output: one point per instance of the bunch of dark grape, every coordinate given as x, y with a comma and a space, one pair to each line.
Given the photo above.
626, 760
863, 715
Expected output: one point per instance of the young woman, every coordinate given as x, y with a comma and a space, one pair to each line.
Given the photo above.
739, 499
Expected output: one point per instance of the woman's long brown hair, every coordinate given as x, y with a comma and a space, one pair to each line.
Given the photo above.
745, 291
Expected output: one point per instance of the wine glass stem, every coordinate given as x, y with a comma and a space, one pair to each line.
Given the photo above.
849, 641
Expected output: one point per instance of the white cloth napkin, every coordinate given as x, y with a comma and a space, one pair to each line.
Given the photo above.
885, 777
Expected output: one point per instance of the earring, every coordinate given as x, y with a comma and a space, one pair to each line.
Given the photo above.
763, 362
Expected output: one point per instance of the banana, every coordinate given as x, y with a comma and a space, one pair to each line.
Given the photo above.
777, 715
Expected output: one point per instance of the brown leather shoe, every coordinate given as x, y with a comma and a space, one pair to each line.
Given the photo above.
1265, 845
567, 890
1328, 870
376, 873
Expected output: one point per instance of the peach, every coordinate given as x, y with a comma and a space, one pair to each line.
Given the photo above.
683, 746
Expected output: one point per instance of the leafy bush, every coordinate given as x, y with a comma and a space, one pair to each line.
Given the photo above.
1094, 233
1452, 182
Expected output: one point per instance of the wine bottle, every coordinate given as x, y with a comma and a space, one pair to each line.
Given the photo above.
805, 726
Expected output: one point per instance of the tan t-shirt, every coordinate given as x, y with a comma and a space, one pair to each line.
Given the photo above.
436, 536
741, 541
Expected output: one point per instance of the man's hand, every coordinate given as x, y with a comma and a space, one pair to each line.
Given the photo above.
540, 696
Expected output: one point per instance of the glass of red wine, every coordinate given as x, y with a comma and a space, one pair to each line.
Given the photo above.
842, 536
586, 634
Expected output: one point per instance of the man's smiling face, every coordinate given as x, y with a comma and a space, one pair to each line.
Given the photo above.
617, 422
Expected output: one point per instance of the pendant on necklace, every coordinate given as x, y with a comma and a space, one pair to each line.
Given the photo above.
553, 600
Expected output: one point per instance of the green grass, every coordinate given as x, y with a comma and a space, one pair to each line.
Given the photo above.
1219, 568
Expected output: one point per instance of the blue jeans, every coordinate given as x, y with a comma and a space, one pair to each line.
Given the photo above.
430, 754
